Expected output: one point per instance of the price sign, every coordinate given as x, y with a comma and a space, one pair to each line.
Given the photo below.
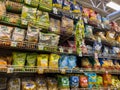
40, 70
10, 70
40, 47
13, 44
70, 50
96, 55
63, 71
61, 49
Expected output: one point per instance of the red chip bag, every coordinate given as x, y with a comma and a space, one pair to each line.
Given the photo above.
83, 81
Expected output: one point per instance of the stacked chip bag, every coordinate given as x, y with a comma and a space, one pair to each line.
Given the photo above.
74, 81
68, 62
32, 34
33, 3
57, 4
83, 81
91, 79
99, 81
63, 82
18, 34
42, 19
28, 15
45, 5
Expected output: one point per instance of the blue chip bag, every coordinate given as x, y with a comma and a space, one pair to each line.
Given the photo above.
72, 62
57, 3
63, 62
74, 81
92, 79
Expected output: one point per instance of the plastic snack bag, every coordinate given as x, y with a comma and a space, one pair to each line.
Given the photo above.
5, 32
107, 80
32, 34
63, 82
41, 83
99, 81
58, 3
28, 14
52, 83
53, 61
2, 9
67, 28
63, 62
72, 62
45, 5
42, 60
14, 84
14, 6
12, 18
18, 34
31, 59
86, 63
91, 79
55, 25
29, 86
83, 81
19, 59
33, 3
66, 5
42, 19
74, 81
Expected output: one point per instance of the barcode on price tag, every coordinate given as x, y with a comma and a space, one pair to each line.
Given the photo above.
13, 44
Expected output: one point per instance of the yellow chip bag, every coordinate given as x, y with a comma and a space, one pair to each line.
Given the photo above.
53, 60
42, 60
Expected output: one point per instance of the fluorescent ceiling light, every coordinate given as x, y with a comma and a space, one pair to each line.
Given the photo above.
113, 5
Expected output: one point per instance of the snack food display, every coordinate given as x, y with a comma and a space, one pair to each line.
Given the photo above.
18, 34
42, 60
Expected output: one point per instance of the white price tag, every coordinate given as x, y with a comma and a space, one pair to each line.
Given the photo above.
40, 47
55, 11
99, 39
85, 20
40, 70
61, 49
13, 44
70, 50
96, 55
80, 54
10, 70
102, 25
63, 71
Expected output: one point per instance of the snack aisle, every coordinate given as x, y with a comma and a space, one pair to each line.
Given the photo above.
57, 45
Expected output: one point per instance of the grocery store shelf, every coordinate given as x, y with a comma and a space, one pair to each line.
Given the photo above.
40, 70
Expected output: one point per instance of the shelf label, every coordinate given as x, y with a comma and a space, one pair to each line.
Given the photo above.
40, 70
55, 11
61, 49
13, 44
63, 71
96, 55
40, 47
70, 50
10, 70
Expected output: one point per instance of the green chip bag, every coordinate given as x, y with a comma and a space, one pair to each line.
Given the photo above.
19, 59
28, 14
31, 59
33, 3
45, 5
